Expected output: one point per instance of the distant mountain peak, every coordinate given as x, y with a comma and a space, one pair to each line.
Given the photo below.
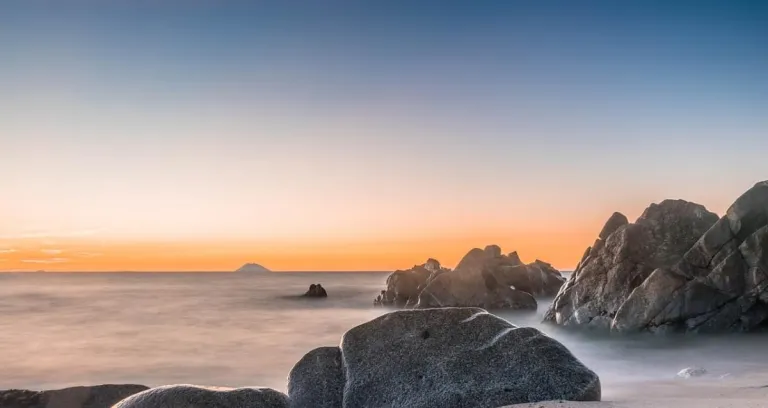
252, 268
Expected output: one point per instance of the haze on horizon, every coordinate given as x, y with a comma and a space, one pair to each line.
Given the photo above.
364, 136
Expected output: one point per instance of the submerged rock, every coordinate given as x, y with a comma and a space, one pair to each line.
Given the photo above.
98, 396
623, 257
450, 358
191, 396
316, 291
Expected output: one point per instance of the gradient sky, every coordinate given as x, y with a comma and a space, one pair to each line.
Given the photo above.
199, 135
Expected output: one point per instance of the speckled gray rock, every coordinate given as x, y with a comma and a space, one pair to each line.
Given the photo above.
190, 396
99, 396
537, 278
457, 358
720, 284
614, 266
616, 221
317, 380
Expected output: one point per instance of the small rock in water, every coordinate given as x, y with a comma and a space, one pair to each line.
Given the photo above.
692, 372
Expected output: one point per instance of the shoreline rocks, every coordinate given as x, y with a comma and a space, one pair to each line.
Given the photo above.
192, 396
483, 278
678, 268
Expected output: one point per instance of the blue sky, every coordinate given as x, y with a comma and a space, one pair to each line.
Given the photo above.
174, 118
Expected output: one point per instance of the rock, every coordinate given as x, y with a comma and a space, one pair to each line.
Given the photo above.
616, 221
252, 268
456, 358
317, 380
719, 285
316, 291
404, 286
537, 278
190, 396
514, 259
473, 290
691, 372
619, 263
99, 396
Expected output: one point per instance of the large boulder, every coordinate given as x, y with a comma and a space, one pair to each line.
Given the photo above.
720, 284
537, 278
623, 257
317, 380
190, 396
451, 358
99, 396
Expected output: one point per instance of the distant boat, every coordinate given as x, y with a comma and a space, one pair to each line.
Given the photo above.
252, 268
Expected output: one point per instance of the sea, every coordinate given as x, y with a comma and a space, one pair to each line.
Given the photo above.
236, 329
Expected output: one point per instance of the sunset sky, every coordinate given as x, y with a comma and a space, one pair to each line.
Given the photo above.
366, 135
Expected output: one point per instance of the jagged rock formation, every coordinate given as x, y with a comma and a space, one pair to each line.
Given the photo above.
451, 357
678, 268
404, 286
624, 257
720, 284
483, 278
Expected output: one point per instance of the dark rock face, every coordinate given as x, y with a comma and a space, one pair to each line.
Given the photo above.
457, 358
189, 396
720, 284
404, 286
317, 380
614, 266
677, 269
316, 291
100, 396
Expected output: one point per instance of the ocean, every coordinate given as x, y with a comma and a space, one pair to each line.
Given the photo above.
228, 329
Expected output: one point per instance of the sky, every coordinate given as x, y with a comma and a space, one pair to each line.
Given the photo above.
366, 135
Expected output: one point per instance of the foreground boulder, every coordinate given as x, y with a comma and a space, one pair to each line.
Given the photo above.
450, 358
720, 284
190, 396
317, 380
623, 257
316, 291
99, 396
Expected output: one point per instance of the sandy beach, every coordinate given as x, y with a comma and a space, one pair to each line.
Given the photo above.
747, 391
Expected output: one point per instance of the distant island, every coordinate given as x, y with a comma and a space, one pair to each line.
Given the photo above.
253, 268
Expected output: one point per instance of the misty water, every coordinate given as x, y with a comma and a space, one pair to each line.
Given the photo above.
59, 330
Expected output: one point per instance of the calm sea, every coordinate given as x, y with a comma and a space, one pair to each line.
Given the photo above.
228, 329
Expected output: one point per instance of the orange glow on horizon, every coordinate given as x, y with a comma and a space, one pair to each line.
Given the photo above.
561, 248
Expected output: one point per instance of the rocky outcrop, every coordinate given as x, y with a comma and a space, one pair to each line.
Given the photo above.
404, 286
316, 291
483, 278
452, 357
678, 268
486, 278
614, 266
190, 396
720, 284
317, 380
99, 396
